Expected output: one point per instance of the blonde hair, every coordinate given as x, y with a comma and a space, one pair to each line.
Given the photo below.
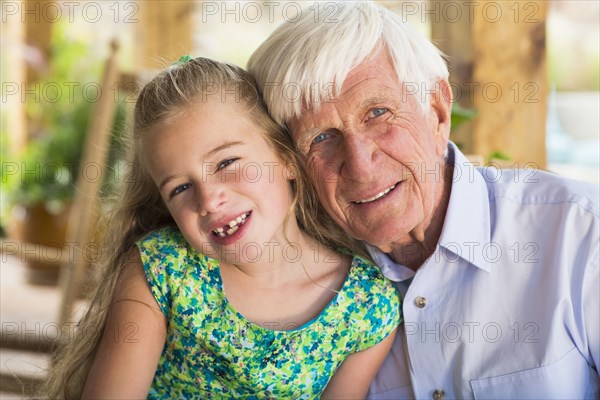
140, 209
305, 62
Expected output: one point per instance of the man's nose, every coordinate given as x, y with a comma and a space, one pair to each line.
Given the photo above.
359, 155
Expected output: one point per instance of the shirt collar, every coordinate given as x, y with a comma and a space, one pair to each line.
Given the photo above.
389, 268
466, 230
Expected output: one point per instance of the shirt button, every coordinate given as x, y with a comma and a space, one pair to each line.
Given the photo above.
420, 302
438, 394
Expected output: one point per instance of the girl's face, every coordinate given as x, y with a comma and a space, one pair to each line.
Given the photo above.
223, 184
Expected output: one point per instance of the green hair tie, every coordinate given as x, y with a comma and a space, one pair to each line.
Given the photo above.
183, 59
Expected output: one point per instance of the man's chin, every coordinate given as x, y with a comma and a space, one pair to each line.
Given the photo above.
386, 235
375, 237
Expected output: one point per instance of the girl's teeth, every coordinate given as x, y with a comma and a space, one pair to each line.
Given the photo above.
231, 227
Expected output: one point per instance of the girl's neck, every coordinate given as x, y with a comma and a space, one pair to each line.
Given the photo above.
280, 262
288, 293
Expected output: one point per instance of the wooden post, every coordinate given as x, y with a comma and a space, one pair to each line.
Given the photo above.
14, 78
24, 24
452, 33
164, 32
497, 55
38, 16
81, 223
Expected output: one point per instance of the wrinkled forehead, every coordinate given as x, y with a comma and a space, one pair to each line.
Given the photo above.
373, 82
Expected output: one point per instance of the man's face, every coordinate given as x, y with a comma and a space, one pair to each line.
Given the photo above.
375, 156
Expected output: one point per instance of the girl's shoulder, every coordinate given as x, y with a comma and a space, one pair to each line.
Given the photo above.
368, 304
365, 268
366, 281
166, 248
170, 263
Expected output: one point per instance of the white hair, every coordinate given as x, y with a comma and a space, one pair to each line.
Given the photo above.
306, 61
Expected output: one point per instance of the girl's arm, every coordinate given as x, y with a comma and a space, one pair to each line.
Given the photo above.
353, 378
132, 341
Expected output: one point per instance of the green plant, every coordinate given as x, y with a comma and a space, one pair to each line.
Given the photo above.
6, 185
459, 115
59, 108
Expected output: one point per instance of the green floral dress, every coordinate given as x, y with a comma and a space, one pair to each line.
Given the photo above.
212, 351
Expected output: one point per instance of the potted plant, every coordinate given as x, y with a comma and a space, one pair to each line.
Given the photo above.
59, 107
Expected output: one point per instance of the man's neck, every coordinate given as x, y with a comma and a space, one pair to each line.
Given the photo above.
416, 250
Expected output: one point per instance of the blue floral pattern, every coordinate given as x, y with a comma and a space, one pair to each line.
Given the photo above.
212, 351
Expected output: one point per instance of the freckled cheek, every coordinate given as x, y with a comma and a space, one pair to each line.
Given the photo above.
395, 138
410, 151
406, 157
411, 127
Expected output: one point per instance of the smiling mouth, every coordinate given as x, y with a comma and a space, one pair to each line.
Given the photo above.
378, 196
232, 226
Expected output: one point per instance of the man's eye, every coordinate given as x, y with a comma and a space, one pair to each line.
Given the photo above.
180, 189
376, 112
225, 163
320, 137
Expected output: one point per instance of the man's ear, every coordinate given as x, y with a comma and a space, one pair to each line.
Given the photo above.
441, 104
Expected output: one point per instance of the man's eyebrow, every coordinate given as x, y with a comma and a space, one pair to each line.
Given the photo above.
206, 155
371, 101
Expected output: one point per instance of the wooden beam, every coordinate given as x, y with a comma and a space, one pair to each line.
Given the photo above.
164, 32
19, 341
497, 53
24, 386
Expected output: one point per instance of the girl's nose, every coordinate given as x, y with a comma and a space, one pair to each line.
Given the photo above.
209, 198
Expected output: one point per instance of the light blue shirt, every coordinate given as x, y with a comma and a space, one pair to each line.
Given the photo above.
508, 305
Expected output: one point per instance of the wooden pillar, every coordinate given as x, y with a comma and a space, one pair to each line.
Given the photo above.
13, 80
497, 53
39, 16
26, 29
454, 37
164, 32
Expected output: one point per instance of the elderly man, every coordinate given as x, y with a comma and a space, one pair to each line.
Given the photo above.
498, 268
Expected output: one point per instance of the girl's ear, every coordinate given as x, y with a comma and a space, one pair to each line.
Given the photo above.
289, 172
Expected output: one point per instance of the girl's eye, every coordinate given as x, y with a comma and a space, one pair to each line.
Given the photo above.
376, 112
225, 163
180, 189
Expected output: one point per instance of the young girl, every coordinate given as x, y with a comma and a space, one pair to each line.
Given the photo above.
279, 315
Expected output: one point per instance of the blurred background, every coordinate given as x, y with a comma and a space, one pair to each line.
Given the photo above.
525, 76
